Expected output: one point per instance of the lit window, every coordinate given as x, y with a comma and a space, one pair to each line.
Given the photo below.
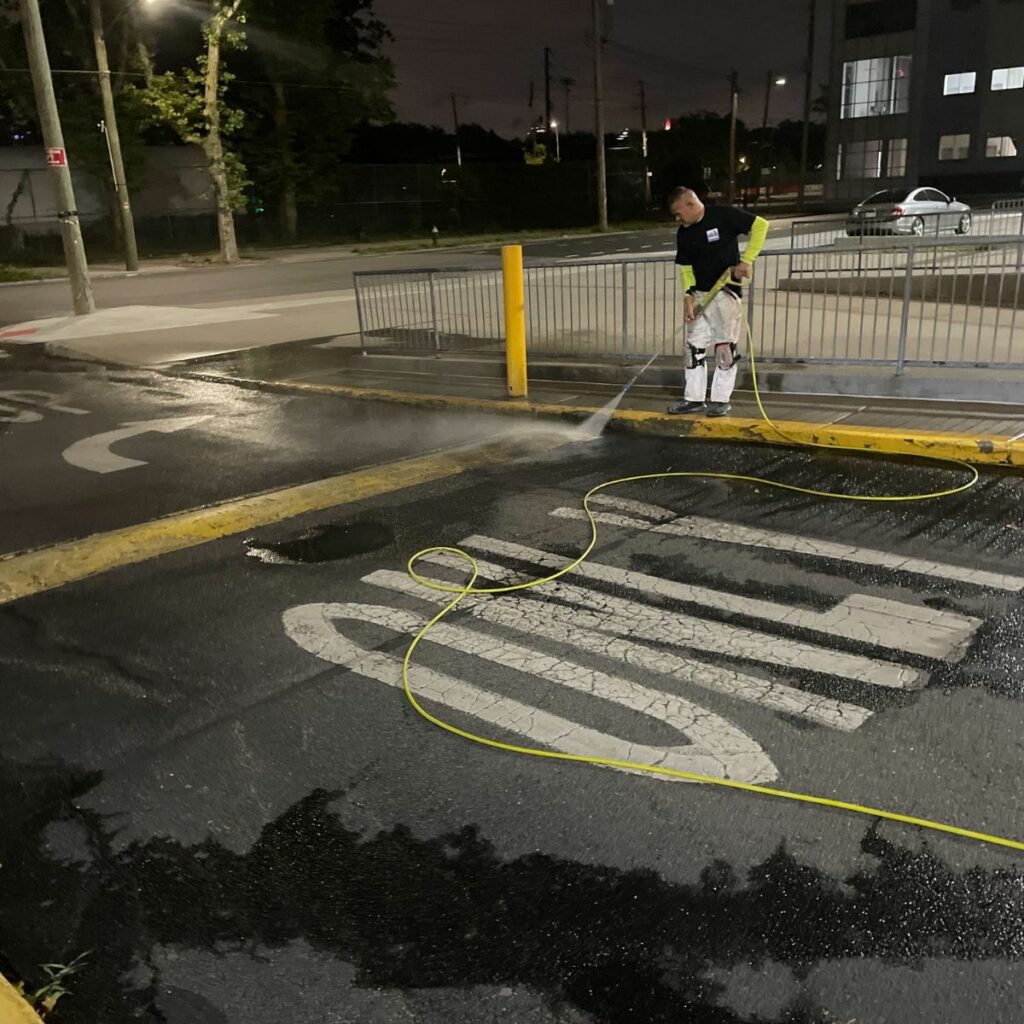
1007, 78
954, 147
897, 165
1000, 145
956, 84
860, 159
876, 87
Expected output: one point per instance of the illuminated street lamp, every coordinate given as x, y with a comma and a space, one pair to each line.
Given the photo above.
558, 143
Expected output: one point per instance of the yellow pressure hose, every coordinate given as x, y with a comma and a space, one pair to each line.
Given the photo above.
460, 592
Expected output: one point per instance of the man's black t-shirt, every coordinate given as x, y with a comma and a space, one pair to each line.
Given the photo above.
710, 246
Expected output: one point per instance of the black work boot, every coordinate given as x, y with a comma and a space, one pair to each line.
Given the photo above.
685, 406
719, 408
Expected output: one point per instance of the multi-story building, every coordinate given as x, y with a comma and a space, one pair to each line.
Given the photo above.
926, 92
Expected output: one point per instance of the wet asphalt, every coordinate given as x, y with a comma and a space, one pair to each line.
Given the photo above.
239, 826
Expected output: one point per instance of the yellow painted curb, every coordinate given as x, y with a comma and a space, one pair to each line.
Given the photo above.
13, 1008
31, 572
980, 448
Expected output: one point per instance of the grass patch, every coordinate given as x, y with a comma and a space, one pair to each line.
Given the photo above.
8, 272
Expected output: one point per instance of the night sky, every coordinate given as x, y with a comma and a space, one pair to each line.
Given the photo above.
489, 52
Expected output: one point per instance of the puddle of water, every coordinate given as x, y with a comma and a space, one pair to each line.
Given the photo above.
328, 542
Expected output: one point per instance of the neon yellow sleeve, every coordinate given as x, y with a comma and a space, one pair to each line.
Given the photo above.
687, 278
758, 233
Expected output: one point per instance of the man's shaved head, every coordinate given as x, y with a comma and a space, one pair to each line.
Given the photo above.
685, 206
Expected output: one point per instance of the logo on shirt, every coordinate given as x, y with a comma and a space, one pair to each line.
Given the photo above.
713, 235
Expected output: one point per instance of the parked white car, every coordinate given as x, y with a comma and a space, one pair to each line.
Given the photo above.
920, 211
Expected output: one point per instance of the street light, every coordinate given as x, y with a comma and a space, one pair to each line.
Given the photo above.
558, 143
763, 142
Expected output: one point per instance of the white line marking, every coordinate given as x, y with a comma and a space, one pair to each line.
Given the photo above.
45, 399
900, 627
561, 625
12, 414
94, 454
719, 748
618, 616
750, 536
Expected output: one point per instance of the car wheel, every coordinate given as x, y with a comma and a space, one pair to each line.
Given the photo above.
917, 226
964, 226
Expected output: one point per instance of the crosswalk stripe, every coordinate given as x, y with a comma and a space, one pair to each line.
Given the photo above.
718, 747
884, 623
609, 614
750, 536
561, 625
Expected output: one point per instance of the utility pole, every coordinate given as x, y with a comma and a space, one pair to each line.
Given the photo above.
567, 84
602, 170
53, 140
643, 138
734, 88
808, 78
547, 86
455, 121
131, 252
762, 142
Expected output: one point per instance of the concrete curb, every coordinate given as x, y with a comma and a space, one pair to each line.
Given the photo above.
982, 449
13, 1007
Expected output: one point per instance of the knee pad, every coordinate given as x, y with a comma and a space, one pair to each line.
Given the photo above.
726, 356
697, 357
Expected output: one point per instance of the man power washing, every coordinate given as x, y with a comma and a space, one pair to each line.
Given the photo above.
706, 247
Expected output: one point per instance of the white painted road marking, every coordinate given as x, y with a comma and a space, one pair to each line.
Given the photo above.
561, 625
618, 616
751, 536
45, 399
718, 747
94, 454
13, 414
874, 620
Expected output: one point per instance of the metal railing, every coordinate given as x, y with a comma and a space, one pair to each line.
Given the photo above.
1016, 203
955, 303
857, 232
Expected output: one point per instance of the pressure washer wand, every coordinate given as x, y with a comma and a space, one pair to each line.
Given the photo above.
725, 279
639, 373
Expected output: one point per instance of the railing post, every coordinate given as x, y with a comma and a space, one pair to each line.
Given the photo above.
625, 309
901, 348
515, 319
359, 315
433, 311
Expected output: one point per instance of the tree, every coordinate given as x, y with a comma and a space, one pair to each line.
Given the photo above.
311, 74
194, 105
70, 44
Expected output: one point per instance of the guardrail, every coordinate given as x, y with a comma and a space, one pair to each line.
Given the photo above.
958, 302
1009, 204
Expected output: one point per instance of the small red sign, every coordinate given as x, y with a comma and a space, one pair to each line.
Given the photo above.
57, 157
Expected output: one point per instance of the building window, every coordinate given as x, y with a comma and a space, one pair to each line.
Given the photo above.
860, 160
956, 84
897, 160
1007, 78
954, 147
880, 18
1000, 145
875, 87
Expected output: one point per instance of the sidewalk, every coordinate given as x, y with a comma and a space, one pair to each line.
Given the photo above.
980, 432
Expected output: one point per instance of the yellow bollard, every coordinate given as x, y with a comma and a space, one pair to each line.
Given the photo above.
515, 319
